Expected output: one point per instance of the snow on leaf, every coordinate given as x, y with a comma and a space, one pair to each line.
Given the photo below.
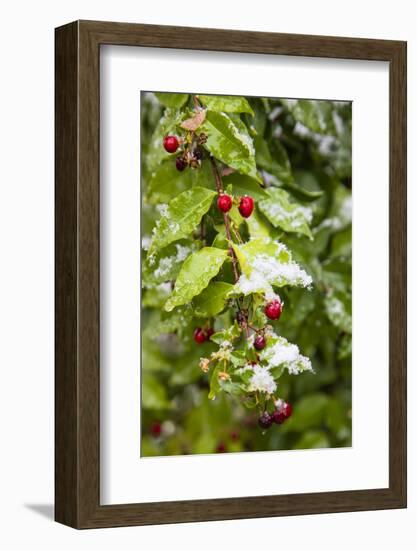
337, 308
283, 213
265, 264
315, 115
196, 272
165, 265
262, 380
184, 212
280, 353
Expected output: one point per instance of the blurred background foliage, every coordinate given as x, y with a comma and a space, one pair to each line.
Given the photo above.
304, 147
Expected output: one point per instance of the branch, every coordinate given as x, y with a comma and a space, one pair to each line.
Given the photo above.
219, 187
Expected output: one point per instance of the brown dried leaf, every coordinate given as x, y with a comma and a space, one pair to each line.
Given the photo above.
194, 122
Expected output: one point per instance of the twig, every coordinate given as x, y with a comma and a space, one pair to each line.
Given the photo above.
219, 187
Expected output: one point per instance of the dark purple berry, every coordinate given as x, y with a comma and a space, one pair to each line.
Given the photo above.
180, 163
240, 317
198, 154
259, 342
265, 420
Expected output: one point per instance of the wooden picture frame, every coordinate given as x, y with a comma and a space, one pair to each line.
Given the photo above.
77, 409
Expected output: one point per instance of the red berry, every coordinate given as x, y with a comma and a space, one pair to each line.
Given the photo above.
224, 203
273, 310
282, 412
278, 417
234, 435
286, 409
265, 420
199, 335
259, 342
170, 144
221, 447
209, 332
246, 206
156, 429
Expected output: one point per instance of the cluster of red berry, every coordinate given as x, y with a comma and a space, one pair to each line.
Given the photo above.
202, 334
190, 157
246, 204
281, 413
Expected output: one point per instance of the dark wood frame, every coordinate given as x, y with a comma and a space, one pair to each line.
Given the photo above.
77, 274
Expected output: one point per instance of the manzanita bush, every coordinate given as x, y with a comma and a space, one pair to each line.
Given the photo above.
246, 237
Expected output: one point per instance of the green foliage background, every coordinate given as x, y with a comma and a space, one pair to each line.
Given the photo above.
303, 151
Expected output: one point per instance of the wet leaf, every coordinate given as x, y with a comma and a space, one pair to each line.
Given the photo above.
196, 273
228, 144
226, 104
212, 300
287, 215
182, 215
172, 100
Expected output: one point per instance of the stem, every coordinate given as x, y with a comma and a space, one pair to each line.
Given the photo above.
202, 230
219, 187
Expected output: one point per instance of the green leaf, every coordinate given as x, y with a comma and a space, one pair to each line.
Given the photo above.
306, 186
166, 182
313, 439
153, 393
228, 144
315, 115
178, 321
309, 412
152, 359
265, 264
172, 100
274, 159
196, 273
215, 382
338, 309
165, 265
226, 335
342, 243
344, 349
282, 213
212, 300
226, 104
156, 296
245, 185
257, 226
185, 368
181, 217
167, 125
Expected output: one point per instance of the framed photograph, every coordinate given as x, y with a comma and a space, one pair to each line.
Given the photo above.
230, 274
